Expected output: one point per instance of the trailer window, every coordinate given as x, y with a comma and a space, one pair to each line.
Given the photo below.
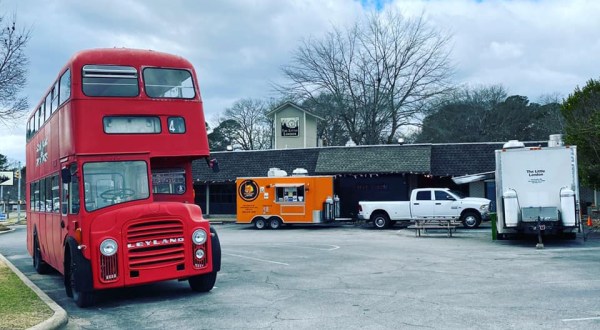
290, 193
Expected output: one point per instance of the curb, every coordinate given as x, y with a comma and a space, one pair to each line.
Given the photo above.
56, 321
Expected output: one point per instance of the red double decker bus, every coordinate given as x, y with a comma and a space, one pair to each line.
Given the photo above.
109, 175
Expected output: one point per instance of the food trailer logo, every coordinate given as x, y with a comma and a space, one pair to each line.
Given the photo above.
248, 190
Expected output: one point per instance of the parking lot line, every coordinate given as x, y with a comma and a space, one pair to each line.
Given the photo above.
326, 247
251, 258
582, 319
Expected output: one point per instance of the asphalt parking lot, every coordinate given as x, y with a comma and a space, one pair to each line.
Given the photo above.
347, 277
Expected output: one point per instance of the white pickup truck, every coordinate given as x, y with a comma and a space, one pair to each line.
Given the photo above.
427, 203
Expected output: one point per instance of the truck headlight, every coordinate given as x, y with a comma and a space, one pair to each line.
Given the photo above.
199, 254
108, 247
199, 237
484, 207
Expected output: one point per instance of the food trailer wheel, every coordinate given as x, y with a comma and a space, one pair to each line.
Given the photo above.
260, 223
274, 223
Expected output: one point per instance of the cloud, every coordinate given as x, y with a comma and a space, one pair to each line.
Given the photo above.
238, 47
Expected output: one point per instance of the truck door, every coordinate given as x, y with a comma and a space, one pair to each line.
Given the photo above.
443, 204
422, 205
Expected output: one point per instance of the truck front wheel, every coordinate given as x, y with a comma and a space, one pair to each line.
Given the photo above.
380, 220
471, 220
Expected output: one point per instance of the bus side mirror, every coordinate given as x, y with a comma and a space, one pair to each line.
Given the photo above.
65, 173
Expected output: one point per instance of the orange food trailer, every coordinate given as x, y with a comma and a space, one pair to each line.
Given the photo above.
280, 199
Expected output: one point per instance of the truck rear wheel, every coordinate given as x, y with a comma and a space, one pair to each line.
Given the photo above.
471, 220
260, 223
380, 220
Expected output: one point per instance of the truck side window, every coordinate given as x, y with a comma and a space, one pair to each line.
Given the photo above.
424, 195
443, 196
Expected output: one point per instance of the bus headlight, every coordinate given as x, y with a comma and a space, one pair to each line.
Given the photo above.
199, 237
199, 254
108, 247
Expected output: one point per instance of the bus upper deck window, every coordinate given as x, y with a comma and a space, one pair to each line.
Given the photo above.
168, 83
110, 80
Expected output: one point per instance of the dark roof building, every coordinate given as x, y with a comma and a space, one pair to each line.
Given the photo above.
442, 160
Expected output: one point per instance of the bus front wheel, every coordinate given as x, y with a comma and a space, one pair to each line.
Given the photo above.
81, 298
203, 283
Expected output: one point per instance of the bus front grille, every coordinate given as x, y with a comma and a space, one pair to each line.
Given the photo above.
153, 244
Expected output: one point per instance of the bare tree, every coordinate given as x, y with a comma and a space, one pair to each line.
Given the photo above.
13, 70
254, 131
378, 73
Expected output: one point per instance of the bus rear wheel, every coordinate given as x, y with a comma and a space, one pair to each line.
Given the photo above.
41, 267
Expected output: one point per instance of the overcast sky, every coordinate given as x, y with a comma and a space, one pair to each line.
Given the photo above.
532, 48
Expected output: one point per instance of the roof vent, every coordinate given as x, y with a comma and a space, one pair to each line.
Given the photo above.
555, 140
300, 172
513, 144
276, 172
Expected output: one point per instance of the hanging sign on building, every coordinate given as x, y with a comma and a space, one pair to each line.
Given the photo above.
289, 126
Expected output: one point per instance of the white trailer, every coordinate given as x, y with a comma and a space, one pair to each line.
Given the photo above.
537, 189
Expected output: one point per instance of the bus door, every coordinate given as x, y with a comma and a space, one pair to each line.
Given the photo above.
54, 231
69, 205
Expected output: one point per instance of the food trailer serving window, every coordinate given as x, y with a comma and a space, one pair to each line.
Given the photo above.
289, 192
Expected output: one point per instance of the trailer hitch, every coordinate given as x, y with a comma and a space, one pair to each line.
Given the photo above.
540, 244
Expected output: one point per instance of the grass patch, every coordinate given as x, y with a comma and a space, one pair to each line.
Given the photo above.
3, 227
20, 307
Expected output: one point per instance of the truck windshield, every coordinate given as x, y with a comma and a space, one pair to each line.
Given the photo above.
458, 193
109, 183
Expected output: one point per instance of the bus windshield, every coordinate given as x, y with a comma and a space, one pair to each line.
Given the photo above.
110, 183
